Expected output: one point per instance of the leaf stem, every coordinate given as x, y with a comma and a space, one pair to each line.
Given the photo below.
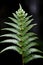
22, 60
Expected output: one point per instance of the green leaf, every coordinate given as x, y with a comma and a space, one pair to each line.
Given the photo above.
31, 44
25, 15
30, 40
28, 28
15, 15
30, 51
12, 30
20, 7
15, 48
13, 25
31, 57
14, 20
11, 35
28, 35
27, 18
11, 41
28, 22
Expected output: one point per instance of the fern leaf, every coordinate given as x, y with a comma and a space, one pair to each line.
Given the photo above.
13, 25
28, 28
11, 35
31, 44
30, 51
31, 39
28, 22
31, 57
27, 19
28, 35
11, 41
15, 16
14, 20
15, 48
12, 30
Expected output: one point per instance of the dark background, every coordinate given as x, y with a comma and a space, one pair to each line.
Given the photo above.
32, 7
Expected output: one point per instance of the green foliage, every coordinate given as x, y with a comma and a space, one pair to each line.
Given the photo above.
22, 38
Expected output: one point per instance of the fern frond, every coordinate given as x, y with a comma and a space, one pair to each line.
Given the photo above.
24, 41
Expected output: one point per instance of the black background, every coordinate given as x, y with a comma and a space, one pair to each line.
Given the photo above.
34, 7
